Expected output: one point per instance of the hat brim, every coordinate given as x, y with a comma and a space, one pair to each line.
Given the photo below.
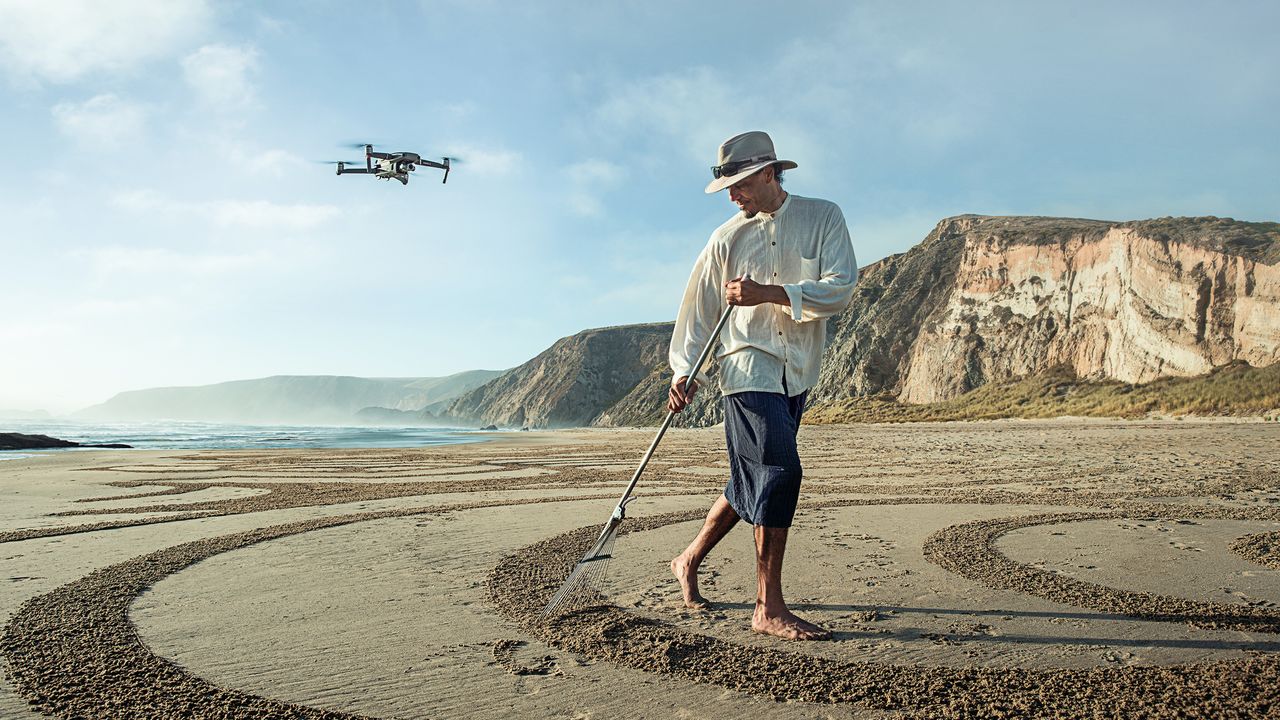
721, 183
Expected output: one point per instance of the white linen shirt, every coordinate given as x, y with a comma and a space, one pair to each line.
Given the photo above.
804, 247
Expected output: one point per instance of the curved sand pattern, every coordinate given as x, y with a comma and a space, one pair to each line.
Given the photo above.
638, 662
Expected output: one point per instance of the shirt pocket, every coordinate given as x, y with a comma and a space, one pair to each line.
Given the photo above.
808, 268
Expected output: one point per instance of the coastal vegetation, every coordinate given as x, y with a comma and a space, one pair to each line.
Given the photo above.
1234, 390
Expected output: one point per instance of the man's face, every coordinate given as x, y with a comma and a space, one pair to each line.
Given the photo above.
748, 192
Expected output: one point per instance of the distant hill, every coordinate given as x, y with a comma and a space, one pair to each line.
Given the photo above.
298, 399
24, 415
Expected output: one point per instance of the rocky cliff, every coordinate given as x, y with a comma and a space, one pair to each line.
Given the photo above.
986, 299
981, 300
573, 383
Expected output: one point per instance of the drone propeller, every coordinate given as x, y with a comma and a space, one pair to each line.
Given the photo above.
333, 162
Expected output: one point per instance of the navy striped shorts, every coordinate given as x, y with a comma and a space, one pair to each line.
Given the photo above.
764, 467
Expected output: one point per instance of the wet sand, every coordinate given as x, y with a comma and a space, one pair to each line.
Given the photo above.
1016, 568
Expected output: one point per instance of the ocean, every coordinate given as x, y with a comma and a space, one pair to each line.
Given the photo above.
176, 435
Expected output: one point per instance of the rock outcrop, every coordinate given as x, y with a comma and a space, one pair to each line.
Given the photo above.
20, 441
572, 383
646, 404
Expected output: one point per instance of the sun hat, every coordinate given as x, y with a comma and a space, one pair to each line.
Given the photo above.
742, 155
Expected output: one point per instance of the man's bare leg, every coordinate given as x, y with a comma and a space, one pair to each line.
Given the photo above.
772, 616
720, 519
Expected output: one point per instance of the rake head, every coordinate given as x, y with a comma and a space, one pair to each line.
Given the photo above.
584, 582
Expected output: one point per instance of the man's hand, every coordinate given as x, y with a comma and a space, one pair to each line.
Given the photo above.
747, 292
681, 394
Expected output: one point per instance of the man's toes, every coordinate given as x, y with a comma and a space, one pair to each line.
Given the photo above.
813, 632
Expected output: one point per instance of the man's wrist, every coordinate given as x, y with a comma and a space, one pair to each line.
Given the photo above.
777, 294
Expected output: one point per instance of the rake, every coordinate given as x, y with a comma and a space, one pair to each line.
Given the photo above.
588, 573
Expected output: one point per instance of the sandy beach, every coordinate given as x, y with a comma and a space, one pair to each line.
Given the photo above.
1062, 568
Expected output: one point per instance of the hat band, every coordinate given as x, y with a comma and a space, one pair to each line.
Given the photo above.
733, 168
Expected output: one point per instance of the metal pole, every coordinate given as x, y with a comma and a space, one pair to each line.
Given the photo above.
619, 512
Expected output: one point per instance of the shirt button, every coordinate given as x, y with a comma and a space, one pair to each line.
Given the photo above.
779, 332
773, 243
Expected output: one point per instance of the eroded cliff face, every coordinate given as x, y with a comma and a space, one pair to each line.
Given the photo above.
1128, 301
980, 300
570, 383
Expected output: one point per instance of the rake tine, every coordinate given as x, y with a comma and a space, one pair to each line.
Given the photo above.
584, 579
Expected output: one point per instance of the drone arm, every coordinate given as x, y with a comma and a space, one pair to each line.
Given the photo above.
353, 171
442, 165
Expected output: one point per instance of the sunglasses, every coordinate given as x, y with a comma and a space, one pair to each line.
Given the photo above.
733, 168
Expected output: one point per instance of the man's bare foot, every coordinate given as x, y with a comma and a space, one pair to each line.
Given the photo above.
688, 577
787, 626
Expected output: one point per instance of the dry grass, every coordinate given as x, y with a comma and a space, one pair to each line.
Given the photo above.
1233, 390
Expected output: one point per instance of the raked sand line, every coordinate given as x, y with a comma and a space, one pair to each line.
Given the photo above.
1261, 548
969, 550
73, 652
522, 582
288, 495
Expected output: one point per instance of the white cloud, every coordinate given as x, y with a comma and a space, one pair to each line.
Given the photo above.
62, 40
104, 121
165, 262
275, 163
251, 214
682, 117
587, 180
585, 204
459, 110
487, 162
265, 215
596, 172
220, 75
676, 107
271, 163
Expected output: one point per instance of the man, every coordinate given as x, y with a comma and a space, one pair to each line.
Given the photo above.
801, 269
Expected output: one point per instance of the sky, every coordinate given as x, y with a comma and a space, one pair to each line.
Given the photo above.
165, 219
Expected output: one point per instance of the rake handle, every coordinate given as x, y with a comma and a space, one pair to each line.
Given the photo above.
620, 511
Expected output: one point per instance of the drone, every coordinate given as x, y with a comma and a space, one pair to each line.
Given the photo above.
392, 166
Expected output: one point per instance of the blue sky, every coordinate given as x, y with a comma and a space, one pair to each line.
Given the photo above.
164, 223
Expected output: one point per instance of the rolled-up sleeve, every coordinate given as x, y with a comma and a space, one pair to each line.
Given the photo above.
829, 294
699, 311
